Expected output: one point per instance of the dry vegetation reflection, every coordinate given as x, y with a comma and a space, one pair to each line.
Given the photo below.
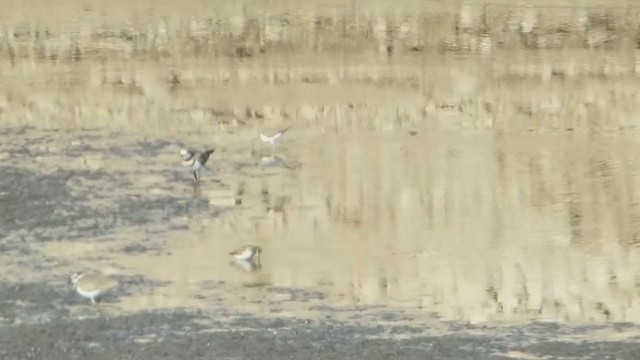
477, 160
476, 227
330, 65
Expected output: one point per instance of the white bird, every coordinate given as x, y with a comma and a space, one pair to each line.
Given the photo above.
273, 138
195, 161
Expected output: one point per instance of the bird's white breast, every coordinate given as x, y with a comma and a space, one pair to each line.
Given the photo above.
245, 255
89, 294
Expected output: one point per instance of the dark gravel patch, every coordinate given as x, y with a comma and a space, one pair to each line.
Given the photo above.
178, 335
42, 207
36, 202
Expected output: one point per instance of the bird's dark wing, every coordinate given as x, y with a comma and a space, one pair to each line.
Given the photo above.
204, 156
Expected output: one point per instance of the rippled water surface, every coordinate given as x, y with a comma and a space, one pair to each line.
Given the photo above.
476, 162
477, 226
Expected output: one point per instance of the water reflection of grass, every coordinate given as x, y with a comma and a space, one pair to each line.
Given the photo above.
502, 225
526, 235
334, 68
470, 226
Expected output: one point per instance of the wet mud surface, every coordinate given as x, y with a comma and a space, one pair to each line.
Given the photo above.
57, 205
34, 325
45, 319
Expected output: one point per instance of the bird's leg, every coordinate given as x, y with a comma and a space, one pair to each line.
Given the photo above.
93, 301
273, 149
195, 177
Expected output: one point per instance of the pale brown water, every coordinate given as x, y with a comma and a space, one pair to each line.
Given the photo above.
474, 227
515, 200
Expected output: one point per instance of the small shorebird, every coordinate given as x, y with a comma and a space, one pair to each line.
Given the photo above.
273, 138
91, 286
247, 252
194, 160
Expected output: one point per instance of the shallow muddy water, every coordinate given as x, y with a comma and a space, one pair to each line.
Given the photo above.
458, 180
475, 227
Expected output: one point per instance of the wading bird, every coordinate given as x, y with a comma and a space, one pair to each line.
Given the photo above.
195, 161
91, 286
273, 139
247, 253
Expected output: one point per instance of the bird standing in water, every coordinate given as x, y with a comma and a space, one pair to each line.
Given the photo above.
247, 253
194, 160
273, 139
91, 286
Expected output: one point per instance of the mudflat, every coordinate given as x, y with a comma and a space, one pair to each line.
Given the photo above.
456, 181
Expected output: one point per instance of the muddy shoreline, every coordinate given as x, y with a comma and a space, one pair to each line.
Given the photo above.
50, 333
